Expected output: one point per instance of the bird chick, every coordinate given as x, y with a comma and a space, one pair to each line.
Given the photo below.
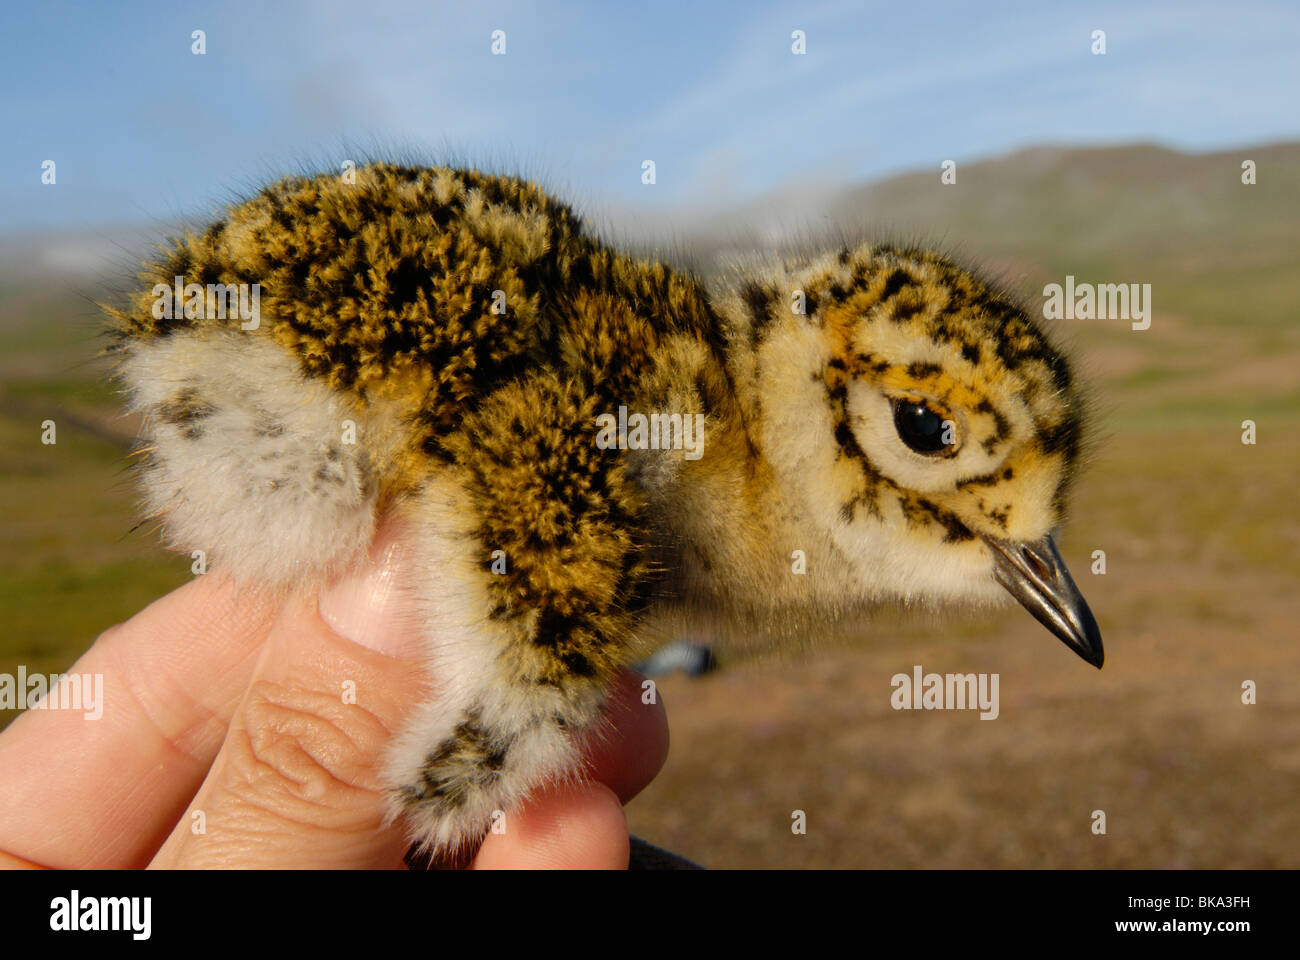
577, 440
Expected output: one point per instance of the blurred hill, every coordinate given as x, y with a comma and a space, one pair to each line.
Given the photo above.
1223, 258
1186, 219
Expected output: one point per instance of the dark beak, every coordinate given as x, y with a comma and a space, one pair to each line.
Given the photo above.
1035, 574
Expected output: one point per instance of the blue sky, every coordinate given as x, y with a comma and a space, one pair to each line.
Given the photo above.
141, 129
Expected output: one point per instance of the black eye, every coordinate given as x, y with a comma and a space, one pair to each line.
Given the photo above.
919, 427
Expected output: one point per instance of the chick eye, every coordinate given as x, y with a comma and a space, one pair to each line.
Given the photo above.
920, 427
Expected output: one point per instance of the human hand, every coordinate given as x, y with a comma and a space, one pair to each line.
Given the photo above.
227, 710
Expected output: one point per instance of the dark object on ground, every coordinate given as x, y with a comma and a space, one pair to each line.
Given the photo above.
693, 659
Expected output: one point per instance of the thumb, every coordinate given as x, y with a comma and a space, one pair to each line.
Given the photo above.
296, 783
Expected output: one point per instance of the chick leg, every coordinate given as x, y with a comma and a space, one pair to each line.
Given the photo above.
533, 542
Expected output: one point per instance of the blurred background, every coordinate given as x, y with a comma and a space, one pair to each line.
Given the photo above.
1122, 167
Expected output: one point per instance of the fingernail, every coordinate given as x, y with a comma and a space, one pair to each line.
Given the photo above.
372, 605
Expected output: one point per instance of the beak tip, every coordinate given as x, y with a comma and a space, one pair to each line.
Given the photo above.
1082, 634
1035, 575
1087, 646
1085, 638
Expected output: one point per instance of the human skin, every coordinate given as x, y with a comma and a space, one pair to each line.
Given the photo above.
223, 702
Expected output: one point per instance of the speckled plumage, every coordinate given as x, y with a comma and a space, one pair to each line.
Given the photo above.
472, 333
